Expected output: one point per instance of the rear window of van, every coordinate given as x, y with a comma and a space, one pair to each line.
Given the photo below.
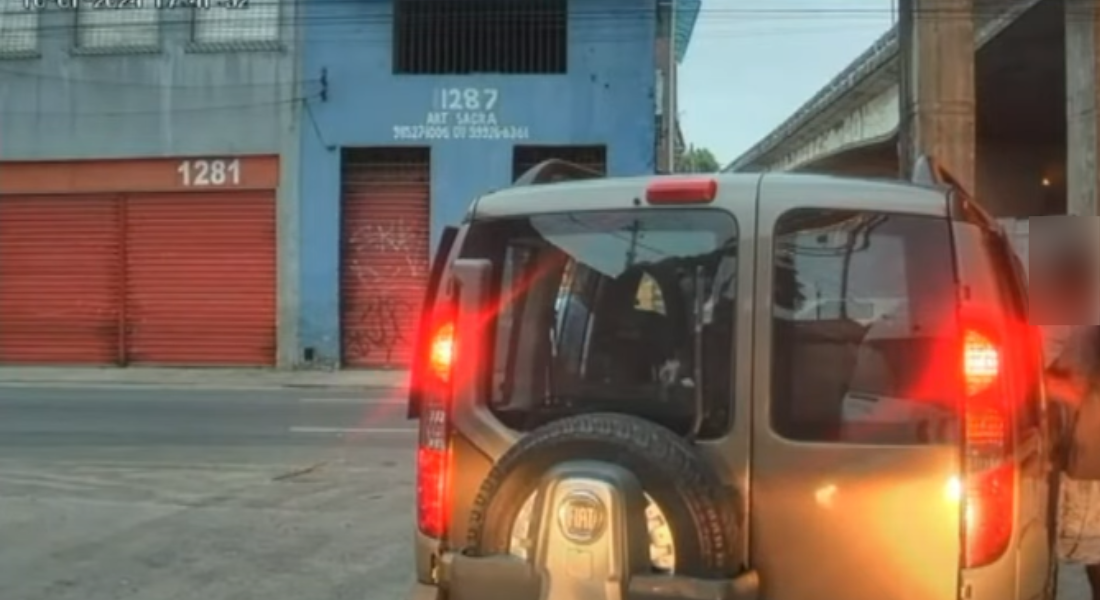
623, 311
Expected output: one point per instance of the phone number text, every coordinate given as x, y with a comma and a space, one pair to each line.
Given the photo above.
460, 132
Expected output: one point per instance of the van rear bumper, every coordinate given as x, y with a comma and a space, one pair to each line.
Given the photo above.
470, 578
421, 591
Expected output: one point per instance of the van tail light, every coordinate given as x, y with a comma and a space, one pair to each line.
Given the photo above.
990, 473
441, 352
433, 456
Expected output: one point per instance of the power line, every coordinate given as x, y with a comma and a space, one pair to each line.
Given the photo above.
184, 88
316, 17
121, 114
580, 13
206, 87
709, 9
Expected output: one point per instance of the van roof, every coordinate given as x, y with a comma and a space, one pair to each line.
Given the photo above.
618, 193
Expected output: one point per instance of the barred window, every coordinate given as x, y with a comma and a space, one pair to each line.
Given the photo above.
480, 36
248, 21
18, 28
131, 26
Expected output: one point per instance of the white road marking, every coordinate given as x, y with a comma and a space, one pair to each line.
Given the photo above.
397, 430
366, 401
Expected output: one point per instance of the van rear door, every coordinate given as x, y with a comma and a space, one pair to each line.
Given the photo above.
856, 445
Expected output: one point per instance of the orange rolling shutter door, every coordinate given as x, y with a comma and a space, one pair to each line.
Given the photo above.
384, 253
60, 280
200, 286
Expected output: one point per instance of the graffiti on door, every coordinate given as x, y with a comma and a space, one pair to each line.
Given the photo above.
388, 263
382, 327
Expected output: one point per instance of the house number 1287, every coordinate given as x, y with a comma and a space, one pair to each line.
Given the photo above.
468, 98
209, 173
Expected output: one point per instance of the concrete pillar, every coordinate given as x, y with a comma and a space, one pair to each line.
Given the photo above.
664, 92
1083, 132
937, 89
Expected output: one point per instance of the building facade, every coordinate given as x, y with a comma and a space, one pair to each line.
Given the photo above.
189, 184
147, 172
413, 108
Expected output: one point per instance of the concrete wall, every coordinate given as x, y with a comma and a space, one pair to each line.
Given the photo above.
166, 101
174, 98
607, 97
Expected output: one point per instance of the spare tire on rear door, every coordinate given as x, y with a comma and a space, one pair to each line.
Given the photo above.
702, 513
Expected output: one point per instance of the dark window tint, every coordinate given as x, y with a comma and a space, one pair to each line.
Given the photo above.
598, 311
865, 344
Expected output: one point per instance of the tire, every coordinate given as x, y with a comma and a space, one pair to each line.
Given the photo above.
702, 514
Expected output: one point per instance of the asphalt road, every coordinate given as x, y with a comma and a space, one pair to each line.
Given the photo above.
169, 494
157, 494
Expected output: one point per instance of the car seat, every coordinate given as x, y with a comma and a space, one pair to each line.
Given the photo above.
629, 343
814, 361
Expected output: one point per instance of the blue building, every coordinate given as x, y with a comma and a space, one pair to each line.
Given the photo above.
415, 107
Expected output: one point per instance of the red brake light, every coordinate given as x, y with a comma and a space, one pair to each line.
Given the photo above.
433, 465
441, 352
981, 362
990, 472
681, 190
433, 457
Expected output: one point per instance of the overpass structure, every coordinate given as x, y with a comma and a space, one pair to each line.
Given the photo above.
1023, 52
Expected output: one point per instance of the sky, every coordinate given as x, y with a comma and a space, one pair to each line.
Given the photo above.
752, 63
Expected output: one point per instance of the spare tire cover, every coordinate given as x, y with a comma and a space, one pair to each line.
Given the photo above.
703, 515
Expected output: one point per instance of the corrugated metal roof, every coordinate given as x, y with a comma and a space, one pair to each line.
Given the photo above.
687, 14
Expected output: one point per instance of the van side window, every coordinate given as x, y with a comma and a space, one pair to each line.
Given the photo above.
863, 317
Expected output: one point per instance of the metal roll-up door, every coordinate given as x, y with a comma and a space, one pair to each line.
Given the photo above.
200, 285
60, 276
384, 253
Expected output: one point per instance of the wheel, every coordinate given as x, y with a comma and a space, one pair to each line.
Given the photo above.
703, 516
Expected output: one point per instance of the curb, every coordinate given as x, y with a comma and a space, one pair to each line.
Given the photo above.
207, 385
207, 379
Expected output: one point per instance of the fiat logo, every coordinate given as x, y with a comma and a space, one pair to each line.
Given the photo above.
582, 517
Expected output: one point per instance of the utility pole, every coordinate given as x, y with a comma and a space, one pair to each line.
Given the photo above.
673, 78
1082, 21
936, 46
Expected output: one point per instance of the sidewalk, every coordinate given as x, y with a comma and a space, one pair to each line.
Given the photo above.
211, 378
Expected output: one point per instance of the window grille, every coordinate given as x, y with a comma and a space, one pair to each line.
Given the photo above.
136, 25
249, 21
18, 28
460, 37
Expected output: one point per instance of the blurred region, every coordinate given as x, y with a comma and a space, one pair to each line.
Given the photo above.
1064, 271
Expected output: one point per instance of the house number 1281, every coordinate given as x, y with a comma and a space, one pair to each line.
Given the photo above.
209, 173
